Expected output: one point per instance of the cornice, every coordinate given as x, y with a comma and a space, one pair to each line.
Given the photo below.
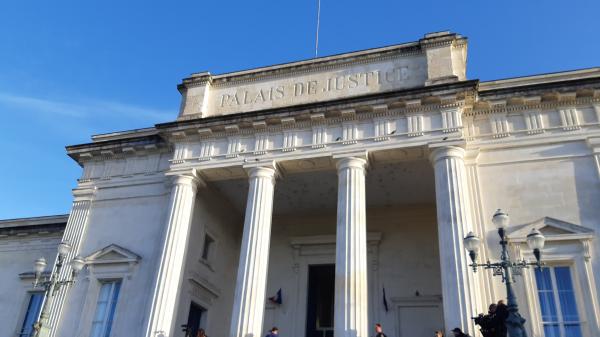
551, 85
28, 231
118, 148
501, 108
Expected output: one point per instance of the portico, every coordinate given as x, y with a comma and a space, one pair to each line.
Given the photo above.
314, 189
340, 137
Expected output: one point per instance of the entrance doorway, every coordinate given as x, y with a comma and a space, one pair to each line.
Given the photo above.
194, 319
319, 309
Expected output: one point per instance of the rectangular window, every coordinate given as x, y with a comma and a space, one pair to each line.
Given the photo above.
557, 302
105, 308
31, 316
207, 249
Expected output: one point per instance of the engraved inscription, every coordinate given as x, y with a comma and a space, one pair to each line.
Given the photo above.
314, 87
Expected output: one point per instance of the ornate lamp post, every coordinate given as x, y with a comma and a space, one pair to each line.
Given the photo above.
507, 268
52, 284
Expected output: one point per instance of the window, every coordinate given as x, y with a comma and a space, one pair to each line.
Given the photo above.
207, 249
33, 311
105, 308
560, 316
195, 319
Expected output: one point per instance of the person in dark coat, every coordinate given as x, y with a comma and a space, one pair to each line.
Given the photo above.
500, 319
487, 322
458, 333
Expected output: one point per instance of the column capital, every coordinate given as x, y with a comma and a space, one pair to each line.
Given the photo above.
186, 178
594, 144
267, 169
358, 159
84, 193
446, 151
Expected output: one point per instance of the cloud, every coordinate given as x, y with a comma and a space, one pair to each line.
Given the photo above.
83, 109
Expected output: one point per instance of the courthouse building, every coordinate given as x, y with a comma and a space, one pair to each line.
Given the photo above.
324, 196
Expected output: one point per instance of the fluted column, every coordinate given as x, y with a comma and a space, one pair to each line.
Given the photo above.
351, 304
453, 217
74, 235
168, 281
250, 289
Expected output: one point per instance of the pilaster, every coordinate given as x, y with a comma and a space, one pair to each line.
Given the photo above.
74, 235
250, 290
594, 144
351, 301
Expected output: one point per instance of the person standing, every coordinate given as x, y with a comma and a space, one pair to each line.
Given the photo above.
438, 333
500, 319
274, 332
201, 333
379, 331
458, 333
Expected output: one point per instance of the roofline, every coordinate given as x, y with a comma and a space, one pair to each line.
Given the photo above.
317, 60
545, 78
34, 221
282, 68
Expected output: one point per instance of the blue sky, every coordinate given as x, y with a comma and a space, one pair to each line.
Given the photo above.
70, 69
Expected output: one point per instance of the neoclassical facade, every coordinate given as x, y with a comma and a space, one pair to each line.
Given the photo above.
324, 196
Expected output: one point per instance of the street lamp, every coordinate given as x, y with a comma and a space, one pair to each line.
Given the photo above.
507, 268
52, 284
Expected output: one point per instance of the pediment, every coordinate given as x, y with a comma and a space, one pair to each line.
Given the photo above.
553, 229
112, 254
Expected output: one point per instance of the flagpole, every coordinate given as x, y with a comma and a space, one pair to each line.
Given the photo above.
318, 23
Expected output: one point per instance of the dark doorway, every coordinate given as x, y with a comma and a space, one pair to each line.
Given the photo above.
194, 319
319, 311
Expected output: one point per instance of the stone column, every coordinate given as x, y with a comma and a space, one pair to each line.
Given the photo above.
453, 216
74, 235
250, 289
169, 278
351, 303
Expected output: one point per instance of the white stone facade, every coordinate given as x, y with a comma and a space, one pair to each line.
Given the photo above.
378, 162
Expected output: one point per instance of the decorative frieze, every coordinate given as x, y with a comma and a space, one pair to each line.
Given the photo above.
349, 133
261, 143
451, 120
234, 146
533, 122
319, 136
181, 153
206, 149
499, 125
415, 125
381, 129
569, 119
289, 140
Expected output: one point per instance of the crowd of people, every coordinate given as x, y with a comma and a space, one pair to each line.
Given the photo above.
492, 324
